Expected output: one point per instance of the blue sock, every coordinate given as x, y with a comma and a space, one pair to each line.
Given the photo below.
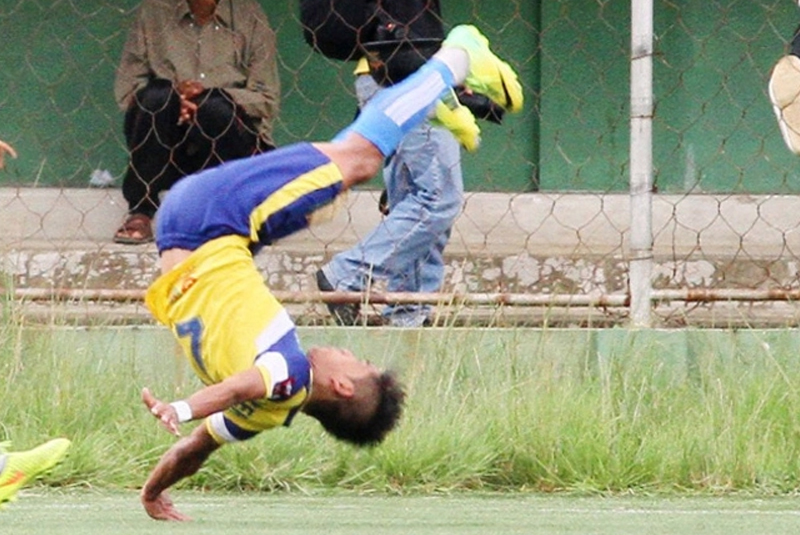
394, 111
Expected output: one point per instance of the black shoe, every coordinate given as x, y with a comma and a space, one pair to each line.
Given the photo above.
343, 313
387, 321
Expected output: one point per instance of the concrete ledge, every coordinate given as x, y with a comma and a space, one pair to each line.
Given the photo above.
491, 223
540, 243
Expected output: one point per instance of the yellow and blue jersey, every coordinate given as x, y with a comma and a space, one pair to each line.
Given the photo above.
227, 321
215, 302
263, 198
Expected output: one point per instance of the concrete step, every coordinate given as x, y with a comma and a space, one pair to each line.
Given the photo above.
517, 244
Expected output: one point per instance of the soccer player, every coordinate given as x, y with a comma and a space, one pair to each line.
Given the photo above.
20, 467
238, 338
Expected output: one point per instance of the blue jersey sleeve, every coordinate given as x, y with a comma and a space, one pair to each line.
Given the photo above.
264, 198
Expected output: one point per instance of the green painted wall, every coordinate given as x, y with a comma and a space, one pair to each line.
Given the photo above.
714, 128
56, 82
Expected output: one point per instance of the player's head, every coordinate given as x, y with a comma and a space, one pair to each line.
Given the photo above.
352, 399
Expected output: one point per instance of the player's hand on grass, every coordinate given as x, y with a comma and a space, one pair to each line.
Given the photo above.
6, 148
164, 412
162, 508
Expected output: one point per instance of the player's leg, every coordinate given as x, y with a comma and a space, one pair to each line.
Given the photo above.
18, 468
464, 58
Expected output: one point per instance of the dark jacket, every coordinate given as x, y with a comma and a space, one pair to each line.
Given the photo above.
337, 28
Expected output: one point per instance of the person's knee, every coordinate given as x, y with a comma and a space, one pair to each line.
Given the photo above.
156, 106
216, 112
442, 208
155, 96
443, 217
358, 159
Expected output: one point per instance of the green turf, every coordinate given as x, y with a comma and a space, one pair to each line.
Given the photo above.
584, 411
90, 513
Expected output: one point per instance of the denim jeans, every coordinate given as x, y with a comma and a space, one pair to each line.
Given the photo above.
425, 192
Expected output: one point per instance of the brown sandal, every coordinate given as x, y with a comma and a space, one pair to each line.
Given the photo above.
135, 230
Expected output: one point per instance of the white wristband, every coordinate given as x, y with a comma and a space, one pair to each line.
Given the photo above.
183, 410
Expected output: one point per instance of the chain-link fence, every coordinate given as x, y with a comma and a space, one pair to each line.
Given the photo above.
546, 233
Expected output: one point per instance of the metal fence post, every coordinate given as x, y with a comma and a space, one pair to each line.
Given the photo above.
641, 162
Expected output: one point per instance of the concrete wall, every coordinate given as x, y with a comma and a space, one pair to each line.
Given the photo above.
532, 244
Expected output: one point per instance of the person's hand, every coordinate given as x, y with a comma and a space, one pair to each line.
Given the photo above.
162, 508
187, 90
188, 110
164, 412
6, 148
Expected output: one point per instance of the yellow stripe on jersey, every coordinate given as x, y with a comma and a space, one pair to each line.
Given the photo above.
226, 321
318, 178
217, 292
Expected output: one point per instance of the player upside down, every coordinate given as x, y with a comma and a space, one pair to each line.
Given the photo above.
238, 338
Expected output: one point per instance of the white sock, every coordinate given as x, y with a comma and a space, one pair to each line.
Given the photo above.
457, 60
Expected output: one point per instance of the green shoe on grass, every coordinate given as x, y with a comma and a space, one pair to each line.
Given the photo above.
18, 468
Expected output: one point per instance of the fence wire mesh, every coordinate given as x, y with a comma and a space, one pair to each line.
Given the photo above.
544, 233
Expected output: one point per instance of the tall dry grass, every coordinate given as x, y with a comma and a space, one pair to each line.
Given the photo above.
574, 410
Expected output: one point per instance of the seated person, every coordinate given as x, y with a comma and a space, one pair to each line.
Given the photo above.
198, 82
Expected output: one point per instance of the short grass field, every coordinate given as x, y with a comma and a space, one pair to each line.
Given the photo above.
505, 431
118, 513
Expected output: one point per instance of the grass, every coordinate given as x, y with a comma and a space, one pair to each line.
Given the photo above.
593, 412
94, 513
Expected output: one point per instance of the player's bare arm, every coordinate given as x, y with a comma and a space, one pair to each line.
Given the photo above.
187, 455
182, 460
243, 386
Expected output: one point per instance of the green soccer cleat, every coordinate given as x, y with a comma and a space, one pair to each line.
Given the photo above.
488, 74
23, 466
450, 114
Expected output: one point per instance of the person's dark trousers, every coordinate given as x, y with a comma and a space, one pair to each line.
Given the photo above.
162, 151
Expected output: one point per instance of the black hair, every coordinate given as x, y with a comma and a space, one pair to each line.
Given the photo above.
345, 420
